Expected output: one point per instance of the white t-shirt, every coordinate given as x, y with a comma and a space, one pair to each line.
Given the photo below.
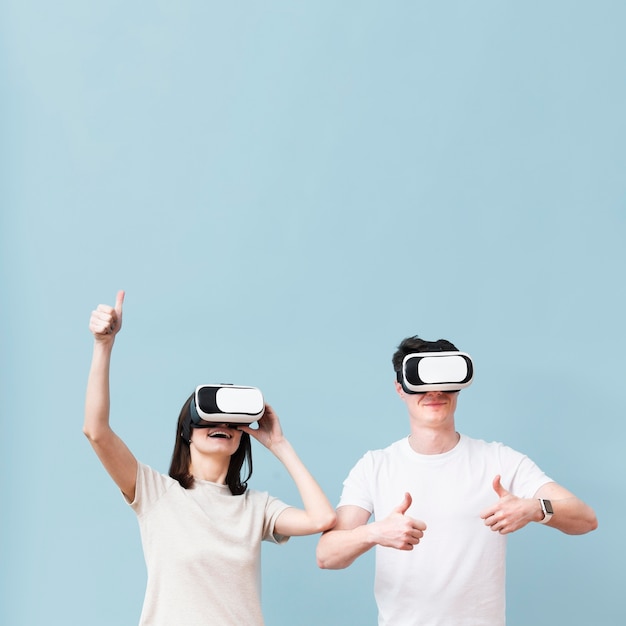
455, 576
202, 548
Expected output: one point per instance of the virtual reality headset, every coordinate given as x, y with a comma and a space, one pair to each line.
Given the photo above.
436, 371
226, 404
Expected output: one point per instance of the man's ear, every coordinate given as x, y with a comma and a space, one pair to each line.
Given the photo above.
399, 389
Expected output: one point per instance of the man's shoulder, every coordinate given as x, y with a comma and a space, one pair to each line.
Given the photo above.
475, 444
389, 451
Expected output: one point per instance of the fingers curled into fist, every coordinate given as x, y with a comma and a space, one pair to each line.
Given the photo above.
103, 320
106, 319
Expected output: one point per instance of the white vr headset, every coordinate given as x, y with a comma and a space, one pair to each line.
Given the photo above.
226, 404
436, 371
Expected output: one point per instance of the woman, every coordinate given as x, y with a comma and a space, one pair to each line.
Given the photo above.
201, 527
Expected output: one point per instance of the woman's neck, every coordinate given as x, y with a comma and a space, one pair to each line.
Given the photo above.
210, 468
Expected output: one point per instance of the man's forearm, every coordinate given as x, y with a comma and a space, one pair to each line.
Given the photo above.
572, 516
338, 549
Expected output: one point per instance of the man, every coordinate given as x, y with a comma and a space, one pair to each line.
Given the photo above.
442, 503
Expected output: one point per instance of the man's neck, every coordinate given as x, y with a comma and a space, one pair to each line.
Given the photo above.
425, 441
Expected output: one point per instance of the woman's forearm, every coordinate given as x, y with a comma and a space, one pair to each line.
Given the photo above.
319, 514
97, 398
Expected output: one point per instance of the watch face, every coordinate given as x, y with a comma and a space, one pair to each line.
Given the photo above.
548, 506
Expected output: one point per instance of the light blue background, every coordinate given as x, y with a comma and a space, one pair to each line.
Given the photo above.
286, 190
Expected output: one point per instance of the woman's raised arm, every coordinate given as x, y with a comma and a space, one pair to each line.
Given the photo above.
118, 460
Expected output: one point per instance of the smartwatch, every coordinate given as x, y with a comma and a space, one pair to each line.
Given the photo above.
546, 507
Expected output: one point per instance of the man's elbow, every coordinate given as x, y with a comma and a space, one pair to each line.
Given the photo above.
325, 563
591, 522
322, 564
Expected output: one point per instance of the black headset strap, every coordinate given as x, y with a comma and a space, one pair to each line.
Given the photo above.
192, 416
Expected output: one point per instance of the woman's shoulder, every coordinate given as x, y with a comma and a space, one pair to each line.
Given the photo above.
152, 483
148, 470
263, 499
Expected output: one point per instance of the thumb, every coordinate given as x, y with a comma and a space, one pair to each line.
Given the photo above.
498, 488
404, 505
119, 301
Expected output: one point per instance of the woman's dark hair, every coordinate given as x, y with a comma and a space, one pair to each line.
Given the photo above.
416, 344
181, 457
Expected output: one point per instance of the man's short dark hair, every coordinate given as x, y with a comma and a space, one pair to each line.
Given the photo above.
414, 344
